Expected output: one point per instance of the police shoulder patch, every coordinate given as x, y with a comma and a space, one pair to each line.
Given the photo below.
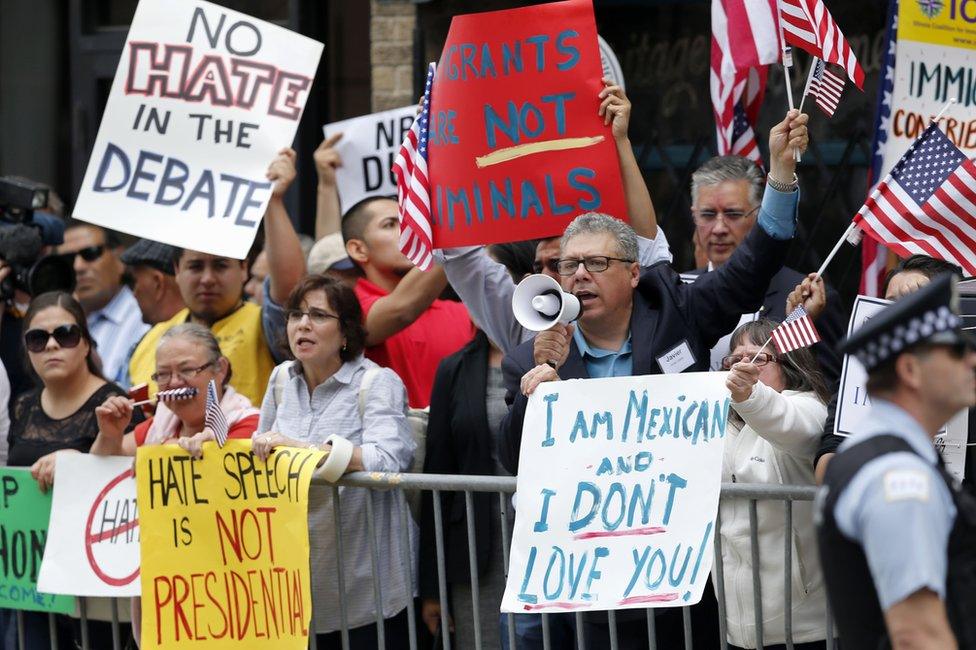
906, 485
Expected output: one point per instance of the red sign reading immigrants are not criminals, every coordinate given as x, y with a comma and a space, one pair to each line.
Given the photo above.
516, 148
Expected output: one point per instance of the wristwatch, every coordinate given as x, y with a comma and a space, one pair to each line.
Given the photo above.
783, 187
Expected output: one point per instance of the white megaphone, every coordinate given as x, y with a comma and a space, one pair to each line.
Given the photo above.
539, 303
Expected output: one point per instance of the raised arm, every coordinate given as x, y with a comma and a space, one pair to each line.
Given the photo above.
615, 110
328, 213
286, 261
113, 416
411, 297
792, 423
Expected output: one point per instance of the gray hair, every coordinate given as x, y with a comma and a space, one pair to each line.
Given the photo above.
595, 223
729, 168
200, 335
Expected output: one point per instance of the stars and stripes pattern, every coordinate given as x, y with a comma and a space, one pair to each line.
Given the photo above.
744, 42
927, 203
826, 87
796, 332
874, 256
808, 25
413, 187
214, 418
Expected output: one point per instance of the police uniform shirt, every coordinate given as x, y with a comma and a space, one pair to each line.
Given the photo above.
898, 508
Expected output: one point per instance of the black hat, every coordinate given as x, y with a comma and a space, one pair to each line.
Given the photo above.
929, 315
147, 252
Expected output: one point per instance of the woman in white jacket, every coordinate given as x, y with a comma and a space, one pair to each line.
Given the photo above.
778, 412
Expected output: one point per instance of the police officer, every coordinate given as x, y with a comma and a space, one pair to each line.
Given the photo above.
897, 535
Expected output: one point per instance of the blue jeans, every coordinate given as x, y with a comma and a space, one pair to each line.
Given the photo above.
528, 631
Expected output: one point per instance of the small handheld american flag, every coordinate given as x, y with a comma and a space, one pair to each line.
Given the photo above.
826, 87
413, 187
796, 332
214, 417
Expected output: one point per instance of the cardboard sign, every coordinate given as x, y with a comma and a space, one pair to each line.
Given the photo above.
93, 538
516, 148
367, 148
935, 60
853, 403
24, 513
623, 515
225, 556
203, 99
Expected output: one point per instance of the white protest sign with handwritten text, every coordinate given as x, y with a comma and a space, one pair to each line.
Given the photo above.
618, 489
203, 99
368, 146
93, 535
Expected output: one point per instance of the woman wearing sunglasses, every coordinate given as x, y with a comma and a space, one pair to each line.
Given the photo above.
58, 417
188, 357
333, 398
774, 426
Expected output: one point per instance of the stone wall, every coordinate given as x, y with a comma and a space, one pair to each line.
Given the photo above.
392, 25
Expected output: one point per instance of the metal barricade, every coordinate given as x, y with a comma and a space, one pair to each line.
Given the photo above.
503, 487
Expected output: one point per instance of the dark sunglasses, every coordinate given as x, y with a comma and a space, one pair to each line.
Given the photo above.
66, 336
89, 253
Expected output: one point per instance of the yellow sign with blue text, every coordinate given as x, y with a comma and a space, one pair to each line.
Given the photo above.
225, 554
940, 22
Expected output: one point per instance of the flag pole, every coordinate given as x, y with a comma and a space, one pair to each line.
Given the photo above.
852, 226
806, 88
787, 64
761, 349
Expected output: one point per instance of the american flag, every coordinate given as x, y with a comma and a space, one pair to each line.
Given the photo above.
214, 417
874, 256
744, 141
744, 43
413, 187
808, 25
825, 87
796, 332
927, 203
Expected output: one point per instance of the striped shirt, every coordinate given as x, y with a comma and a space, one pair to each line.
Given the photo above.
387, 444
117, 328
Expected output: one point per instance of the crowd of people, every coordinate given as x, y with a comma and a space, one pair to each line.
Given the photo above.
349, 348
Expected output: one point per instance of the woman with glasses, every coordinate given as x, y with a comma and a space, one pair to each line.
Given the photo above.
56, 418
187, 357
331, 397
777, 415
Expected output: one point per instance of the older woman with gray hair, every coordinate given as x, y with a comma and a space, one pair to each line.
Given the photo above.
188, 358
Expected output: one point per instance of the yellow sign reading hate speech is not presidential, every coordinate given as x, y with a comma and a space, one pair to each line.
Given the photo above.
225, 555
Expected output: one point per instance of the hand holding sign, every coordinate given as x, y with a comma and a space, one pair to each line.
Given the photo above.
615, 109
281, 172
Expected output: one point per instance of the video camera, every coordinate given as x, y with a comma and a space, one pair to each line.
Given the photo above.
23, 234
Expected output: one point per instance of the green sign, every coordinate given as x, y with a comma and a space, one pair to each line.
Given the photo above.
24, 512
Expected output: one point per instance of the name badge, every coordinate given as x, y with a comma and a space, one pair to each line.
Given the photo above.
677, 359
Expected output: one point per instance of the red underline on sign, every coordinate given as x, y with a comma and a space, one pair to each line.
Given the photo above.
531, 608
531, 148
115, 532
654, 598
650, 530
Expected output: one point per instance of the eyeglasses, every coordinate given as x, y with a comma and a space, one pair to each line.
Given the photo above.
66, 336
593, 264
708, 217
89, 253
317, 316
761, 359
186, 374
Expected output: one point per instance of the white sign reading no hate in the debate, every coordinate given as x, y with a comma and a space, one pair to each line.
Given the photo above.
368, 146
203, 99
618, 489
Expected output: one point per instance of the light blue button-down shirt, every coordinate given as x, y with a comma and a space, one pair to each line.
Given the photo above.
117, 328
605, 363
777, 213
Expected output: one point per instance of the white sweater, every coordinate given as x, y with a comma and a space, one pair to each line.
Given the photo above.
776, 446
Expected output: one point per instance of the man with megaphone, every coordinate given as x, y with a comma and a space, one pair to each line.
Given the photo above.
635, 321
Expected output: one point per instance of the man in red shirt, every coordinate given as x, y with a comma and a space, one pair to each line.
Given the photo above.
408, 328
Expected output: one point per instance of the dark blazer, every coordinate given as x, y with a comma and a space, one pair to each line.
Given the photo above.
458, 442
666, 313
832, 323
